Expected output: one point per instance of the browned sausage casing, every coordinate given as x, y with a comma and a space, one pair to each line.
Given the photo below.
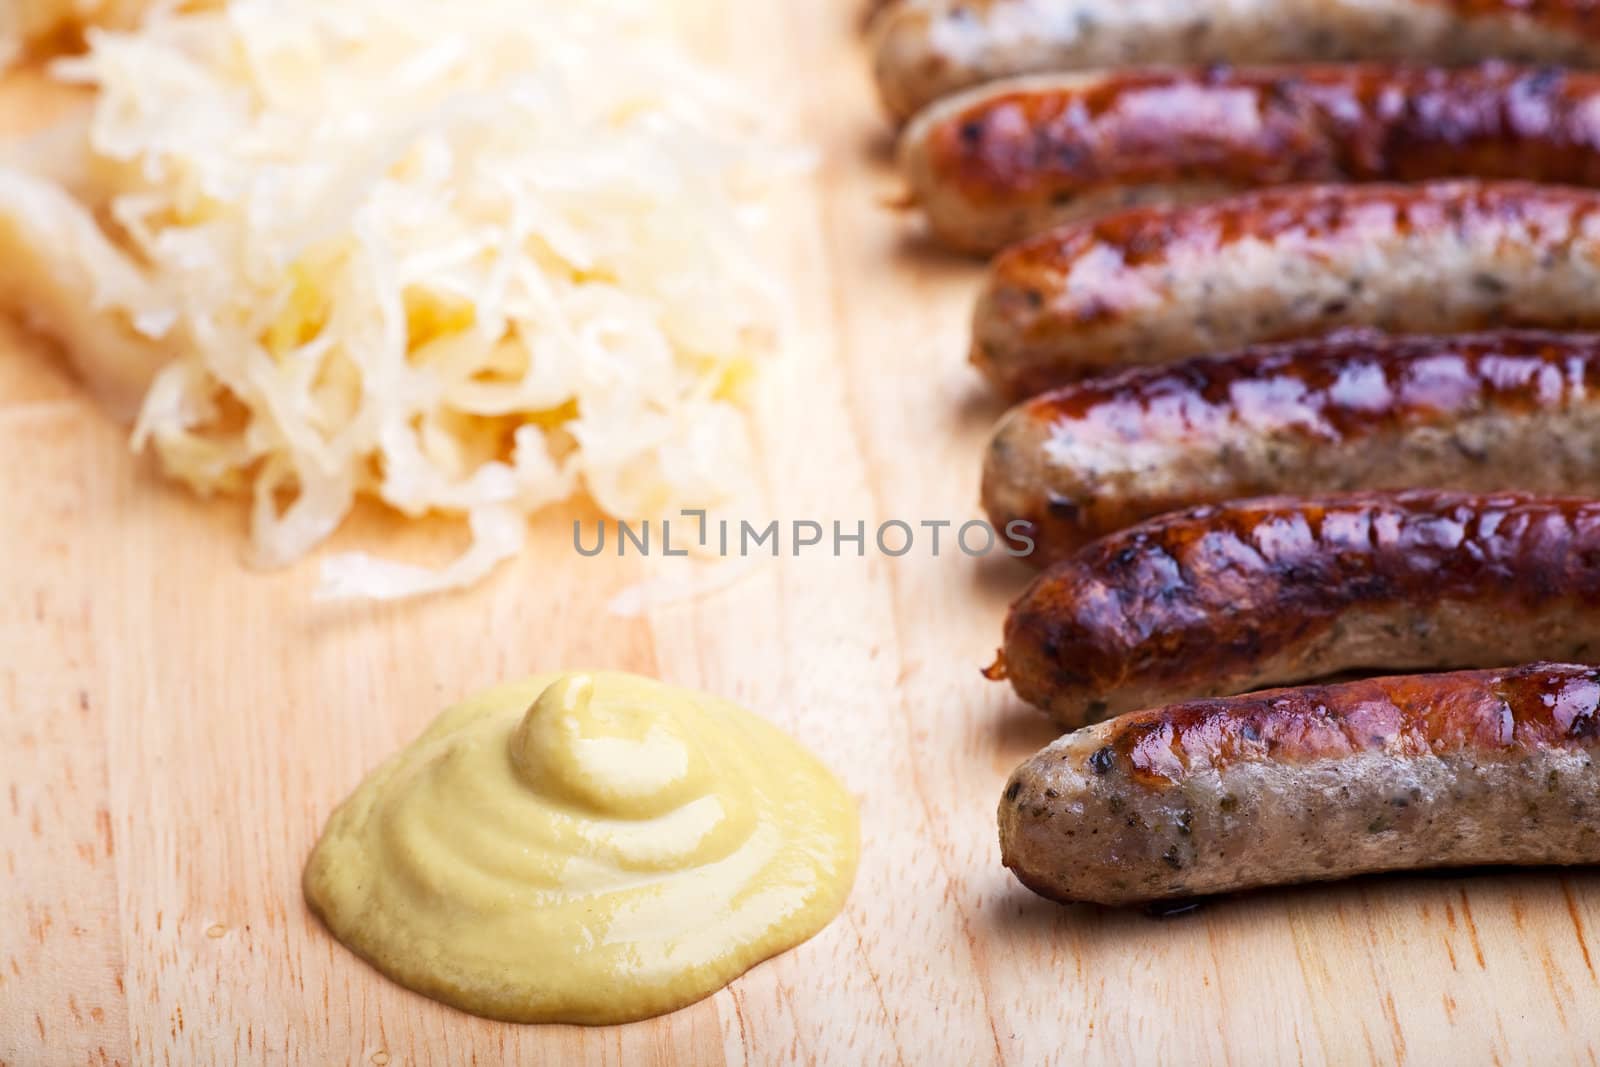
1229, 598
1012, 158
1154, 285
1479, 412
1303, 785
926, 49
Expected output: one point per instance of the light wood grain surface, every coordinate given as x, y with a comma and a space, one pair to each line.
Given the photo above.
174, 729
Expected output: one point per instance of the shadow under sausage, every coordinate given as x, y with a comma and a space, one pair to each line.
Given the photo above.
1019, 913
978, 407
917, 248
1020, 732
880, 146
999, 579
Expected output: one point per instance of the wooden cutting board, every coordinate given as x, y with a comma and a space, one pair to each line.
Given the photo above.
174, 729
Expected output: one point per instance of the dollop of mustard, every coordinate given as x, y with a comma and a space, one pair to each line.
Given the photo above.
585, 848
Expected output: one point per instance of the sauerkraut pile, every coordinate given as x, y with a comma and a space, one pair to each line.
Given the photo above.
463, 258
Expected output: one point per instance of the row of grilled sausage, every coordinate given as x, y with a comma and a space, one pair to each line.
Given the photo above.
1392, 231
1213, 791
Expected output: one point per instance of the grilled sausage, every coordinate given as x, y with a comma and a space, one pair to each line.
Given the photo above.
1479, 412
1012, 158
1229, 598
927, 49
1153, 285
1303, 785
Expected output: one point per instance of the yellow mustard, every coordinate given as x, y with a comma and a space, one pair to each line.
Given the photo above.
585, 848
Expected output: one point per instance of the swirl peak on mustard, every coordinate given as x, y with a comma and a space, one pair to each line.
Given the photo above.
586, 848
